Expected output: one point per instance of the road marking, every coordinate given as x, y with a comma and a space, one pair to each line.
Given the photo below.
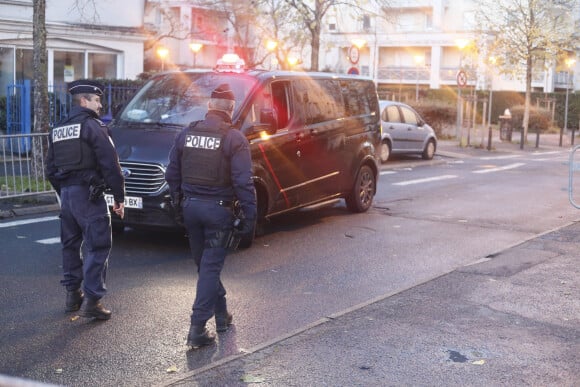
545, 153
49, 241
426, 180
387, 173
510, 166
499, 157
28, 221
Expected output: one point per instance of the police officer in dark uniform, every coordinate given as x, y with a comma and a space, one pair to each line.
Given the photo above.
209, 167
81, 163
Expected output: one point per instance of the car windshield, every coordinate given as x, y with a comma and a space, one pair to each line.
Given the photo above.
179, 98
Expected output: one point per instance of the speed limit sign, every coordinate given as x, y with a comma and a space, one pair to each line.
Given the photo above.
461, 78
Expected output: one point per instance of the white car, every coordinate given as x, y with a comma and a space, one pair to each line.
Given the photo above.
405, 132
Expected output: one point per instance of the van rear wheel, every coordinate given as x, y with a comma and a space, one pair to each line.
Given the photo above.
360, 198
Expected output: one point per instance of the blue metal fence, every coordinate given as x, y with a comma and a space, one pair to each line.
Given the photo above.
19, 105
18, 116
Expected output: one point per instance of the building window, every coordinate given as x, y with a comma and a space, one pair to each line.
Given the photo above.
6, 68
68, 66
24, 63
102, 66
366, 22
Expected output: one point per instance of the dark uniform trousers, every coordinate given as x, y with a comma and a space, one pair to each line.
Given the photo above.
88, 224
205, 221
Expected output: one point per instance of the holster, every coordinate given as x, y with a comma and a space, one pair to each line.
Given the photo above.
96, 191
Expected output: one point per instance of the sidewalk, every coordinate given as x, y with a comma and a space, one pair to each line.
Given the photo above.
509, 320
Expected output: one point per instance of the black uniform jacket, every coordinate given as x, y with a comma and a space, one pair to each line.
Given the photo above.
236, 149
96, 134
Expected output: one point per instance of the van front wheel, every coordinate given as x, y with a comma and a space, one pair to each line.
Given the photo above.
360, 198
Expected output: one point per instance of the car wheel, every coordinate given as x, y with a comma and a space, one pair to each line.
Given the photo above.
360, 198
384, 152
429, 150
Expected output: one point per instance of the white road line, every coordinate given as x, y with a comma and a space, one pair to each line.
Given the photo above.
28, 221
510, 166
426, 180
387, 173
545, 153
499, 157
49, 241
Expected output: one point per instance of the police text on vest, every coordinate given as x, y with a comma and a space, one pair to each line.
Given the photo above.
202, 142
66, 132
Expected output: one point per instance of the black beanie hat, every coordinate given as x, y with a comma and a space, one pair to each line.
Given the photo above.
223, 91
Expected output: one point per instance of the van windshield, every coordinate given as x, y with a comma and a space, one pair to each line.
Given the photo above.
180, 98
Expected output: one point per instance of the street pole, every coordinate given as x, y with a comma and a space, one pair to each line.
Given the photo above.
566, 110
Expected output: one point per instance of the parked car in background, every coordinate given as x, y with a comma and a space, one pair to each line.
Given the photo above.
405, 132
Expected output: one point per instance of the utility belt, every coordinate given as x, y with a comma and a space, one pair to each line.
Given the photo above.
223, 203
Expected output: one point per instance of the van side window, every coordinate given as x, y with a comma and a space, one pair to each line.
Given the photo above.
357, 96
320, 99
409, 116
281, 102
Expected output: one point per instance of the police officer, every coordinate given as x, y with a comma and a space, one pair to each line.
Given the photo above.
81, 163
210, 166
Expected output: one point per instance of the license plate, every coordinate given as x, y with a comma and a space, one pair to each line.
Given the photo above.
130, 201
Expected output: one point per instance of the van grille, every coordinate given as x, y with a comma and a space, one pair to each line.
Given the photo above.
143, 179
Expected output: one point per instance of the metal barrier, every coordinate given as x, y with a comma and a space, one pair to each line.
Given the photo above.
22, 165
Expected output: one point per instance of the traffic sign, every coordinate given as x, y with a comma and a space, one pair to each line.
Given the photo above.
461, 78
353, 71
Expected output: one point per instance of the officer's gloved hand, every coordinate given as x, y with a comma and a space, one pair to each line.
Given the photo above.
177, 209
245, 228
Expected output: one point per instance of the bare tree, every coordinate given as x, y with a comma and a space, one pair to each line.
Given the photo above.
527, 35
40, 67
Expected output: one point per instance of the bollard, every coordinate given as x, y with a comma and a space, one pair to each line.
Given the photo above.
489, 134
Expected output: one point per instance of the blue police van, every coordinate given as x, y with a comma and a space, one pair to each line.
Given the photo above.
314, 137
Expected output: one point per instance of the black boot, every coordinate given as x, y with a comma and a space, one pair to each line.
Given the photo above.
94, 308
199, 336
223, 321
74, 299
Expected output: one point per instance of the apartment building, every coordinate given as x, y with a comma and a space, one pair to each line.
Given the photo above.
101, 39
423, 42
189, 34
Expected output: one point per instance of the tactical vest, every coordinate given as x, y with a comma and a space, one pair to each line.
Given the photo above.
70, 151
203, 161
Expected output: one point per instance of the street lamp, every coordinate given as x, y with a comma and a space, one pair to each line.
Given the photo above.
569, 63
292, 61
162, 52
492, 61
195, 47
271, 46
418, 60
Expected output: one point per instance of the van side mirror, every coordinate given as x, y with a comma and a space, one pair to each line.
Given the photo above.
269, 120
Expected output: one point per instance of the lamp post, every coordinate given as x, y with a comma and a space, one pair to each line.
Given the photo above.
271, 46
418, 60
162, 52
195, 47
569, 63
492, 61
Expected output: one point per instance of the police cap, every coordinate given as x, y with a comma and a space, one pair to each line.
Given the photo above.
86, 86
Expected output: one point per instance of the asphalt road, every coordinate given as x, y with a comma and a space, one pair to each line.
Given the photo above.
429, 218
